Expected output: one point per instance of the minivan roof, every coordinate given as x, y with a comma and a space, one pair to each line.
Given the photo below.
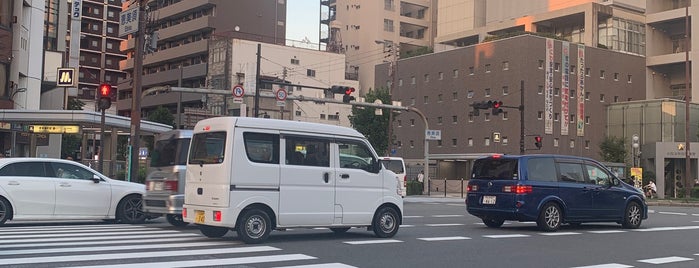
268, 123
511, 156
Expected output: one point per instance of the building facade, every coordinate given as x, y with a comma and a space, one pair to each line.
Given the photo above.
177, 51
371, 32
564, 88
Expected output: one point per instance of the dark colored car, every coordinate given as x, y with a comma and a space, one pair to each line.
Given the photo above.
551, 190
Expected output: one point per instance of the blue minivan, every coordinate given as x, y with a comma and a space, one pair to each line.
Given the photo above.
551, 190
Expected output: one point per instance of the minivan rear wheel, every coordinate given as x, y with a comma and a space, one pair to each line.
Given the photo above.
254, 226
493, 223
549, 218
632, 216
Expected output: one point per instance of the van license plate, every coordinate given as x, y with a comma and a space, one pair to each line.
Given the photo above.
489, 200
158, 186
199, 216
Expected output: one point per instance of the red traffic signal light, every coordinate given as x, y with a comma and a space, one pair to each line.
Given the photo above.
537, 142
105, 101
497, 104
496, 107
349, 90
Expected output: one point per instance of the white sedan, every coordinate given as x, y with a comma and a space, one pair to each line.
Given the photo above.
56, 189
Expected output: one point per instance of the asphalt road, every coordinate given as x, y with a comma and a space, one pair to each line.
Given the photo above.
434, 234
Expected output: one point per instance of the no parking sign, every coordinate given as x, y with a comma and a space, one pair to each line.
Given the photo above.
238, 93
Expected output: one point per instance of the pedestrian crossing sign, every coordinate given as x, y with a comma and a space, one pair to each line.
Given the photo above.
66, 77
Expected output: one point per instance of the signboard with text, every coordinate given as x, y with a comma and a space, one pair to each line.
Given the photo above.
128, 21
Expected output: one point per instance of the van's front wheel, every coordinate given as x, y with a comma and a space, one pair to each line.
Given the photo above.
213, 231
386, 222
254, 226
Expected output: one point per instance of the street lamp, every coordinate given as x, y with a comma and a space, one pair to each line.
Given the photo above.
634, 146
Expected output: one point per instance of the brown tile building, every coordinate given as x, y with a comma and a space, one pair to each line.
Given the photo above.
443, 85
181, 53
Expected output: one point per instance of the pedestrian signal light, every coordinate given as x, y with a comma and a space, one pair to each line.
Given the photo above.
537, 142
105, 101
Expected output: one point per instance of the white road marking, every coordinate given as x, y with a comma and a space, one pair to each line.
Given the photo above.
559, 233
607, 265
5, 230
668, 228
410, 217
321, 228
139, 239
446, 238
89, 233
608, 232
507, 236
444, 224
446, 216
695, 215
480, 223
65, 231
121, 237
110, 248
323, 265
665, 260
673, 213
406, 226
651, 211
456, 205
136, 255
210, 262
378, 241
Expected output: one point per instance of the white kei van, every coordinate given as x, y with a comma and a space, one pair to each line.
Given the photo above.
255, 175
397, 165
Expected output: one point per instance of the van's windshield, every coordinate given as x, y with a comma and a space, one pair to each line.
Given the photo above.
207, 148
170, 152
495, 169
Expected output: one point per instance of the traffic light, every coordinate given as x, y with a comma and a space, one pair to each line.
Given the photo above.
348, 95
496, 106
341, 89
105, 101
537, 142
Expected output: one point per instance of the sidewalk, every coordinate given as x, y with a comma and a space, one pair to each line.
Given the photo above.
438, 197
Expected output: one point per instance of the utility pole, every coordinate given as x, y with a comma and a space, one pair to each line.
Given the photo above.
281, 108
687, 100
136, 92
393, 74
522, 149
257, 81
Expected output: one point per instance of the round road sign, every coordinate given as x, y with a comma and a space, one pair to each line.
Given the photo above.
281, 94
238, 91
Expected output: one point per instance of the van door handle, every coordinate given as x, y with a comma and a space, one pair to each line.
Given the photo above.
326, 177
344, 176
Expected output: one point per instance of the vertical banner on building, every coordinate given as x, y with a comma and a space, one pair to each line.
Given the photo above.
548, 89
565, 88
580, 124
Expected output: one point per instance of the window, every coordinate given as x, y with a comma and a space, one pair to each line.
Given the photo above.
587, 120
487, 68
540, 90
69, 171
556, 67
425, 99
616, 76
616, 98
439, 143
427, 78
441, 76
469, 94
541, 64
587, 95
399, 122
540, 115
470, 70
310, 73
262, 147
571, 172
356, 155
388, 25
412, 80
307, 151
504, 115
572, 143
572, 69
207, 148
505, 140
601, 97
400, 82
596, 175
388, 5
505, 65
470, 117
587, 144
628, 79
487, 92
454, 142
541, 169
556, 91
412, 122
601, 74
587, 72
24, 169
572, 94
439, 120
295, 61
556, 116
454, 119
470, 142
439, 97
571, 118
505, 90
555, 142
486, 141
455, 73
455, 96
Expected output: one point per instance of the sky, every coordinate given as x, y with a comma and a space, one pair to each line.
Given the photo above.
302, 20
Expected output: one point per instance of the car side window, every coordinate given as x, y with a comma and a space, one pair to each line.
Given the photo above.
355, 155
597, 175
262, 147
69, 171
541, 169
24, 169
571, 172
306, 151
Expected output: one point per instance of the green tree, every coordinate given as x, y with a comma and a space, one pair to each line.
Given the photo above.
374, 127
162, 115
613, 149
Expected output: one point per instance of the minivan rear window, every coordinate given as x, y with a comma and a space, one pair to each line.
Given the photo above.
170, 152
495, 169
207, 148
394, 165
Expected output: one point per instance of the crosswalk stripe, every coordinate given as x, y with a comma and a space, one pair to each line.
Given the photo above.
6, 230
409, 217
559, 233
322, 265
444, 224
607, 265
17, 233
109, 248
673, 213
447, 238
140, 240
121, 237
446, 216
91, 233
406, 225
668, 228
211, 262
378, 241
507, 236
665, 260
136, 255
607, 232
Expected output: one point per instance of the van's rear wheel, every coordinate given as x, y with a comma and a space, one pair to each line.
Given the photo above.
385, 222
213, 231
493, 223
176, 220
549, 218
254, 226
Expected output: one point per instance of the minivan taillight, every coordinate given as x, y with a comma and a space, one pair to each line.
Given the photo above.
405, 181
517, 189
170, 186
472, 188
